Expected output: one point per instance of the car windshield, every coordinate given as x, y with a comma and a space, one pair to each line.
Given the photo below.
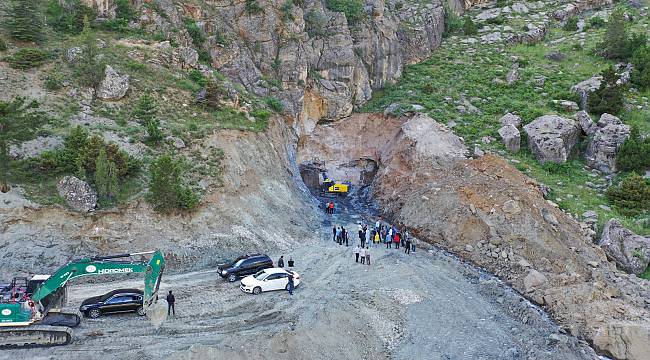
261, 275
238, 263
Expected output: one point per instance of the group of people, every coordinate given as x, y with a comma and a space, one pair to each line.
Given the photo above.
341, 235
281, 262
329, 207
363, 254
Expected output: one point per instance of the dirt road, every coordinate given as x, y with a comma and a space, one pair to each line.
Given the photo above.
426, 305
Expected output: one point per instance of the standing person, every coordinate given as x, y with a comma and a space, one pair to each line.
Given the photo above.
414, 243
356, 253
367, 256
377, 224
407, 245
368, 236
171, 300
377, 237
327, 208
338, 234
389, 242
332, 207
342, 237
347, 238
290, 284
290, 262
281, 261
334, 233
396, 240
362, 237
362, 254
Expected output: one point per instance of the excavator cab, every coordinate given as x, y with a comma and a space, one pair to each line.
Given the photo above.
332, 187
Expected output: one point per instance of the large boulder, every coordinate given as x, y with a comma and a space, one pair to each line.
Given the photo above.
77, 193
586, 124
551, 138
630, 252
609, 135
510, 119
114, 86
511, 137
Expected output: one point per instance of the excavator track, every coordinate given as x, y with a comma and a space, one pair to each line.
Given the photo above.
34, 336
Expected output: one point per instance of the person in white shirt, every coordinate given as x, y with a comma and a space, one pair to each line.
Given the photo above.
367, 256
357, 250
362, 254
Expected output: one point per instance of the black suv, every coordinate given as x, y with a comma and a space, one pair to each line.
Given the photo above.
116, 301
245, 265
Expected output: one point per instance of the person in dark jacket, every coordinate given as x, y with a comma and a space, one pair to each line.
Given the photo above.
171, 300
334, 233
281, 261
290, 262
290, 285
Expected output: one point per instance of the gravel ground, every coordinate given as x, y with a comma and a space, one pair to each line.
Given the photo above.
427, 305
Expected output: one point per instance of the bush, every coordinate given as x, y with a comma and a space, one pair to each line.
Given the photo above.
197, 77
632, 196
571, 24
634, 153
53, 80
27, 58
274, 104
166, 189
22, 20
195, 32
287, 14
597, 22
353, 9
609, 97
452, 22
154, 134
469, 27
68, 18
253, 7
641, 72
3, 45
315, 23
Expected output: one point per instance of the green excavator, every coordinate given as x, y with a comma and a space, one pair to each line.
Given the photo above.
31, 309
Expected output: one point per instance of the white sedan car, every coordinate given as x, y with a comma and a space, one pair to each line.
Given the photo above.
269, 280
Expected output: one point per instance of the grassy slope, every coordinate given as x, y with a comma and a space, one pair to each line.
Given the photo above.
455, 71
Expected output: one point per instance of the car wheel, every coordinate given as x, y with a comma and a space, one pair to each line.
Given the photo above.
232, 277
140, 311
257, 290
94, 313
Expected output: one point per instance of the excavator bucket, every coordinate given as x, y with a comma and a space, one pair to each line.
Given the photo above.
152, 279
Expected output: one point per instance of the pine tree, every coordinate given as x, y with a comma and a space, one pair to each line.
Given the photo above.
101, 174
154, 133
608, 98
632, 196
23, 20
146, 109
469, 27
113, 186
615, 42
89, 70
19, 121
166, 190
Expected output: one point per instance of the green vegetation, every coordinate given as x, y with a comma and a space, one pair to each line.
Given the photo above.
69, 16
166, 189
197, 77
617, 42
632, 196
274, 104
3, 44
608, 98
19, 121
469, 27
634, 153
27, 58
53, 80
253, 7
89, 70
198, 39
641, 62
453, 23
22, 20
145, 111
123, 15
597, 22
106, 182
571, 24
287, 11
353, 9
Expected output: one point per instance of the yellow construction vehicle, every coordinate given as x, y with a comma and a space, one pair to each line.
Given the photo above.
330, 186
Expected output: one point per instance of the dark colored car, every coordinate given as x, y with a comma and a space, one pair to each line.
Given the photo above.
245, 265
116, 301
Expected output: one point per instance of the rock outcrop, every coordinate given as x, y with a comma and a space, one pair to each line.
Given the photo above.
609, 135
35, 147
584, 88
586, 124
551, 138
510, 119
631, 252
114, 86
77, 193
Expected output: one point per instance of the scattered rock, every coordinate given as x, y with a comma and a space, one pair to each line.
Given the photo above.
608, 137
478, 151
551, 138
77, 193
469, 248
511, 207
176, 142
549, 217
584, 88
513, 74
630, 252
35, 147
510, 119
555, 56
114, 86
566, 105
73, 54
511, 137
189, 57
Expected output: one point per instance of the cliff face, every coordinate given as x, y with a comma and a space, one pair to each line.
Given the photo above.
319, 63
